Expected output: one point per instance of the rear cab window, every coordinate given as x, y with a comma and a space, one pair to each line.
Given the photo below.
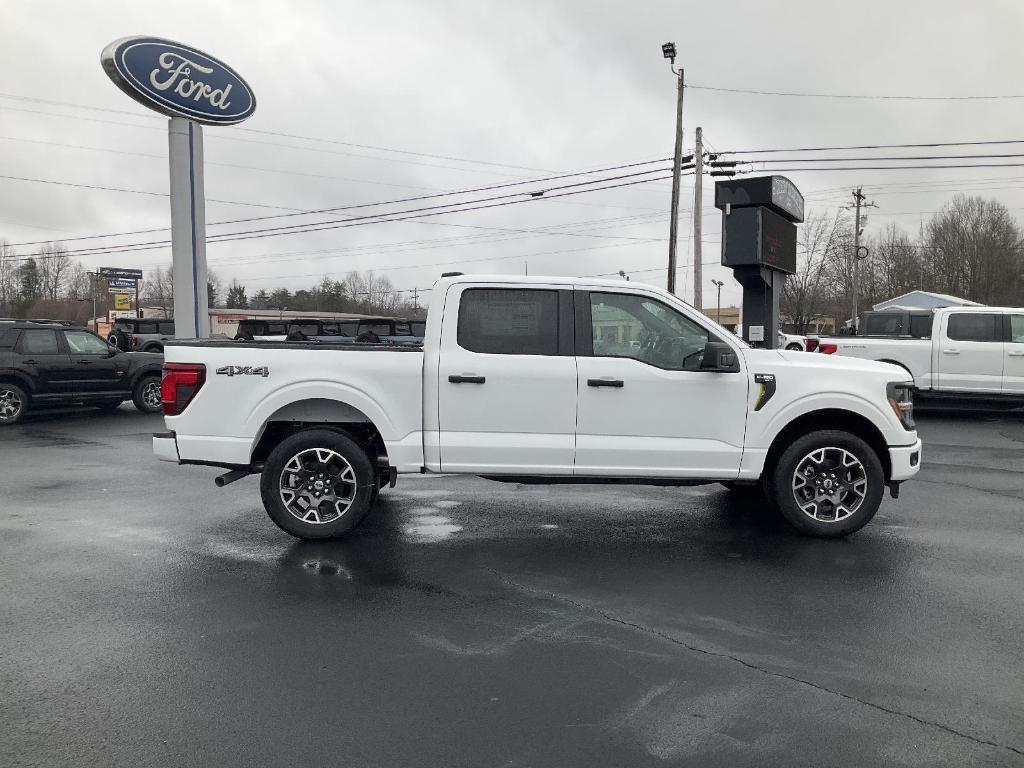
974, 326
509, 321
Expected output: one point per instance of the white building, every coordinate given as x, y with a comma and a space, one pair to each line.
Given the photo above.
924, 300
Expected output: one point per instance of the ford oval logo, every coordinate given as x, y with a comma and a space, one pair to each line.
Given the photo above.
178, 81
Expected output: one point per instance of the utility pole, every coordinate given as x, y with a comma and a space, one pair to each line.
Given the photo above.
668, 50
718, 312
95, 324
415, 299
855, 258
698, 200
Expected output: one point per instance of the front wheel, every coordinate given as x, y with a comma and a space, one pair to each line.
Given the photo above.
828, 483
794, 347
146, 394
318, 484
13, 403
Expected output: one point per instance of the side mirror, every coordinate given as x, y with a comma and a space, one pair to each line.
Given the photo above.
719, 357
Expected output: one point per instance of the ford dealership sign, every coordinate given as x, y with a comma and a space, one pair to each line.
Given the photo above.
178, 81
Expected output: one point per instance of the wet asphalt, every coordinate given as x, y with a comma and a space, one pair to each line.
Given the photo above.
150, 619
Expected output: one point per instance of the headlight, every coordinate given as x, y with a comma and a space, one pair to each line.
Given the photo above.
901, 399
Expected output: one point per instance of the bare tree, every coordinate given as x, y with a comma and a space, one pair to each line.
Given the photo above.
8, 278
158, 290
806, 294
54, 266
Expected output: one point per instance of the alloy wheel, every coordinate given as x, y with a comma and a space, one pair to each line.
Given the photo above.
10, 404
151, 395
317, 485
829, 484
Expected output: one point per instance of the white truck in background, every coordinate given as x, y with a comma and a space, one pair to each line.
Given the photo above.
542, 380
970, 353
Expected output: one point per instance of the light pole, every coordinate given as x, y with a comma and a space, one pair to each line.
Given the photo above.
668, 50
718, 312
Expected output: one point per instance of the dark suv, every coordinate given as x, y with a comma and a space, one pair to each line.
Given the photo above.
56, 365
131, 334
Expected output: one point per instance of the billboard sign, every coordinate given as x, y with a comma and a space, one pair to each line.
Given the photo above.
120, 282
122, 301
178, 81
120, 273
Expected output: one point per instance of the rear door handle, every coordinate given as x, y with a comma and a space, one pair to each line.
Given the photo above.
951, 351
1016, 354
468, 378
616, 383
30, 362
85, 362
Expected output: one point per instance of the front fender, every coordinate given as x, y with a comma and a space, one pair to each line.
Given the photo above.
843, 401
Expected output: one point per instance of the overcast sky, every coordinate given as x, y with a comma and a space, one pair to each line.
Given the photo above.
505, 91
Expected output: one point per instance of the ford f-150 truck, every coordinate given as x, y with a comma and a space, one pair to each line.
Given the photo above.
542, 380
969, 352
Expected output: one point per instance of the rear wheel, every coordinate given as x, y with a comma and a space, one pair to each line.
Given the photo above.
318, 484
828, 483
146, 394
13, 403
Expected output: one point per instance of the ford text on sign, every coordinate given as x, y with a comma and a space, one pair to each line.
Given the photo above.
178, 81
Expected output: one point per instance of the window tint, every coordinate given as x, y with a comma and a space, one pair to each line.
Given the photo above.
39, 343
306, 329
1017, 329
509, 321
418, 327
274, 329
349, 328
402, 329
378, 329
167, 327
83, 343
147, 327
644, 329
883, 325
920, 326
972, 326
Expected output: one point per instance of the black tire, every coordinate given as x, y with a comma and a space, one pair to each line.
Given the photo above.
318, 456
14, 403
794, 347
119, 340
831, 450
157, 348
146, 393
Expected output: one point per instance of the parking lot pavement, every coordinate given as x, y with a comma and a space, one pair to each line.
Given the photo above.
151, 619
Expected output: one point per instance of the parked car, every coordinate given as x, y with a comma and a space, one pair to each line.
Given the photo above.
517, 381
130, 334
967, 353
44, 366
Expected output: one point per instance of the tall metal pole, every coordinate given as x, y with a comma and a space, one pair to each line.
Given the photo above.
698, 205
188, 229
858, 196
95, 324
673, 226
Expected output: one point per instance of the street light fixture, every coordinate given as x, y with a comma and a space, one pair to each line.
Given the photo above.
623, 275
668, 50
718, 312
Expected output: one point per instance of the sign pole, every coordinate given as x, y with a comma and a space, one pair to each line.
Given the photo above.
188, 229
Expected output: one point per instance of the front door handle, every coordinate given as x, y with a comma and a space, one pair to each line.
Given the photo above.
30, 362
1016, 354
85, 362
466, 378
951, 351
616, 383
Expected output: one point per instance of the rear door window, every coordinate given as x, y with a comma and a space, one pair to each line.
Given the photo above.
1017, 329
974, 326
38, 343
509, 321
167, 328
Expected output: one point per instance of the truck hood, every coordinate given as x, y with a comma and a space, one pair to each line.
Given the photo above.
772, 359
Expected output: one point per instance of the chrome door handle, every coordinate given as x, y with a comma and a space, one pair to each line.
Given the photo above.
468, 378
951, 351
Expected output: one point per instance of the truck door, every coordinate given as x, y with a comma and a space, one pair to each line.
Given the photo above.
507, 381
970, 352
645, 408
1013, 364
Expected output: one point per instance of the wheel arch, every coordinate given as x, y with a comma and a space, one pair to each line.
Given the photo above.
19, 380
829, 418
319, 413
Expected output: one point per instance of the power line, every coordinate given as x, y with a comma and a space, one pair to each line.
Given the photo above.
875, 146
883, 97
417, 198
360, 221
896, 167
884, 158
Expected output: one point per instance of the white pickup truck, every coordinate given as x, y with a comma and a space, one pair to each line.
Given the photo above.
542, 380
971, 352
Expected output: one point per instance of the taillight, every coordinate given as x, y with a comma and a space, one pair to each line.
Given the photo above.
810, 345
179, 385
133, 341
828, 349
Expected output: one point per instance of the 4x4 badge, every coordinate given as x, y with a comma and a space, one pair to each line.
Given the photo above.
244, 370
